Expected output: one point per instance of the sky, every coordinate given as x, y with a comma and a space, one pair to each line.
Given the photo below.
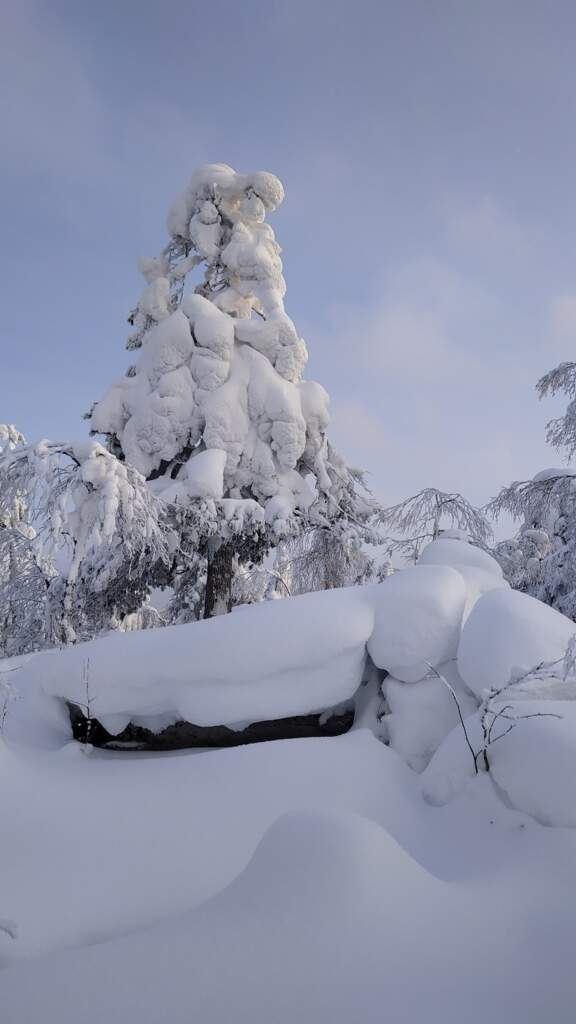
427, 148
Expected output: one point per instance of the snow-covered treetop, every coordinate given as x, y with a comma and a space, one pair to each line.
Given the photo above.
216, 406
10, 437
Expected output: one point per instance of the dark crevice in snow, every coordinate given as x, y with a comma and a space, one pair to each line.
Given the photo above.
182, 734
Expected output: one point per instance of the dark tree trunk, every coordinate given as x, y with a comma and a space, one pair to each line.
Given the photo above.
218, 598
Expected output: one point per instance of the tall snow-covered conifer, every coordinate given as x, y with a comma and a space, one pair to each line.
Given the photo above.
216, 413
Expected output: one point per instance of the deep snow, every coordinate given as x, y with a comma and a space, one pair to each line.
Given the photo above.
364, 901
314, 879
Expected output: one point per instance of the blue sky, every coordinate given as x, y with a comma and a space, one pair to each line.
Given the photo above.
429, 226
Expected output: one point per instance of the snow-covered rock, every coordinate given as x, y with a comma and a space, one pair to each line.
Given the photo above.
452, 765
479, 570
420, 715
418, 618
535, 765
457, 553
506, 634
219, 671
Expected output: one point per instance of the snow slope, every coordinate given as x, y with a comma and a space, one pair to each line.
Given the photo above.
313, 879
348, 894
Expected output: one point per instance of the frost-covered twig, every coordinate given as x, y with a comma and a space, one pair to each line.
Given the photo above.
454, 695
419, 518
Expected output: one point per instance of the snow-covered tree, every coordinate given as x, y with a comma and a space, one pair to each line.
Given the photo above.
319, 562
541, 559
25, 575
216, 413
100, 515
420, 519
561, 432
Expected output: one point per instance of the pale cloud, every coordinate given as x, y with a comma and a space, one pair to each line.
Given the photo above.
480, 224
422, 324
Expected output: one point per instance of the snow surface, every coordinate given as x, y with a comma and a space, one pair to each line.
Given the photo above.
306, 879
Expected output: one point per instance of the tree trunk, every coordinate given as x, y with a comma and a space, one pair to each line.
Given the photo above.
218, 597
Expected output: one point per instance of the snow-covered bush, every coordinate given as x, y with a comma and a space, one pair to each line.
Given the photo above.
216, 407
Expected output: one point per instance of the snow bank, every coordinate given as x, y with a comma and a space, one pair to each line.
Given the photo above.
535, 765
418, 619
219, 671
508, 633
317, 927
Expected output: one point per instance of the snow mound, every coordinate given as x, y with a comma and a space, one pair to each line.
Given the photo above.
422, 714
452, 765
506, 634
336, 860
316, 920
216, 672
535, 765
457, 553
418, 618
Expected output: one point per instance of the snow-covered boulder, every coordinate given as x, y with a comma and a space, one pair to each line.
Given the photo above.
452, 765
272, 661
478, 582
506, 634
420, 715
479, 570
418, 619
457, 553
535, 764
